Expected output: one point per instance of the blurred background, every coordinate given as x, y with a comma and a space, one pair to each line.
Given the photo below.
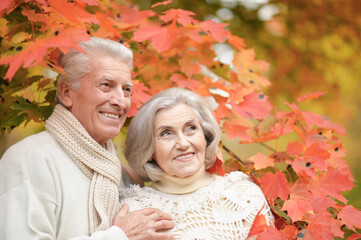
311, 46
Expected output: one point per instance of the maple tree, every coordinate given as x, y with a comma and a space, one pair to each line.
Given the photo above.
303, 184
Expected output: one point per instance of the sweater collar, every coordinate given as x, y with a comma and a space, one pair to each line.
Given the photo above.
175, 185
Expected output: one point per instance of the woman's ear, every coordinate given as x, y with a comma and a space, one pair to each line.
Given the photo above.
65, 92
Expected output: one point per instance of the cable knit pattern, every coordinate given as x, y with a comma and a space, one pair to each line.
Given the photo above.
99, 164
224, 209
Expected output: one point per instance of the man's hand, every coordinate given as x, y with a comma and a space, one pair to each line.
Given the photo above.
144, 224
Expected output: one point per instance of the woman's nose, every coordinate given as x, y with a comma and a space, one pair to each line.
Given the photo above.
182, 142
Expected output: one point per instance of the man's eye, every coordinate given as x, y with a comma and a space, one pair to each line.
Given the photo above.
128, 91
105, 84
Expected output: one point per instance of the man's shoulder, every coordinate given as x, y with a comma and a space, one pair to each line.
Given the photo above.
33, 142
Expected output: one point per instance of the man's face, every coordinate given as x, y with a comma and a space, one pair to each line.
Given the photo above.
102, 102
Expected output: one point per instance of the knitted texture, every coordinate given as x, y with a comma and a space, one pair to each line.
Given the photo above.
224, 209
99, 164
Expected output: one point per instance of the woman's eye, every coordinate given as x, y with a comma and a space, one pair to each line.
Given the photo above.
191, 128
164, 133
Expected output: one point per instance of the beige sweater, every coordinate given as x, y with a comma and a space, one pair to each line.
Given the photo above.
44, 195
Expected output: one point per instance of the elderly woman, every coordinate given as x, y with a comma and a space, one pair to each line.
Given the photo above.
172, 141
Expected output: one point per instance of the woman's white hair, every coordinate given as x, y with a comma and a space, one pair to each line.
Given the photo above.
140, 141
76, 64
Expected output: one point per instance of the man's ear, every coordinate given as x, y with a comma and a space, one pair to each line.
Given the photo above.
66, 94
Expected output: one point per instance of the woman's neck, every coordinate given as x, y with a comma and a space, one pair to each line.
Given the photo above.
175, 185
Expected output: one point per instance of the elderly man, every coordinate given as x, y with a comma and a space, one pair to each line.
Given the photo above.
63, 182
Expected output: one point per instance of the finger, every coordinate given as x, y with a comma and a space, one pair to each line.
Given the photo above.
145, 211
164, 236
156, 214
165, 216
123, 211
163, 225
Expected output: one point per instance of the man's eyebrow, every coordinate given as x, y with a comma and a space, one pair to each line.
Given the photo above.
129, 84
107, 77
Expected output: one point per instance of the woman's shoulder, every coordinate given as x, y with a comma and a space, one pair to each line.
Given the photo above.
239, 182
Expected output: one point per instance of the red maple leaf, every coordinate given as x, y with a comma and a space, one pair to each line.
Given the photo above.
350, 216
355, 236
162, 3
72, 11
180, 15
301, 164
331, 183
296, 208
295, 148
255, 105
217, 168
34, 52
316, 155
215, 30
236, 128
259, 225
272, 233
321, 204
324, 227
139, 97
310, 96
236, 42
262, 161
314, 119
275, 185
161, 37
184, 82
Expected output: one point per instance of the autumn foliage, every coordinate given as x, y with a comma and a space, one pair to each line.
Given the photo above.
303, 183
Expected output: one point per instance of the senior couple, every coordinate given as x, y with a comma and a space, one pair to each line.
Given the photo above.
67, 182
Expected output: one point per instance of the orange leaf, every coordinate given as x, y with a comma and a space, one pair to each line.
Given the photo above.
319, 121
275, 185
255, 105
273, 234
351, 217
317, 156
180, 15
310, 96
331, 183
354, 236
216, 30
90, 2
162, 3
34, 52
259, 225
161, 36
73, 12
236, 128
296, 208
262, 161
217, 167
236, 41
295, 148
324, 227
184, 82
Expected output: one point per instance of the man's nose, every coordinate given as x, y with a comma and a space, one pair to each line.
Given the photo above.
118, 98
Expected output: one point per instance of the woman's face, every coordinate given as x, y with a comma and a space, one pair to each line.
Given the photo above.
180, 144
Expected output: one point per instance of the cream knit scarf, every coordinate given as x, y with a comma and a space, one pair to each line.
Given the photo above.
99, 164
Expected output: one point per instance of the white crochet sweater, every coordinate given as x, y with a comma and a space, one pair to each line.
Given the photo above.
224, 209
